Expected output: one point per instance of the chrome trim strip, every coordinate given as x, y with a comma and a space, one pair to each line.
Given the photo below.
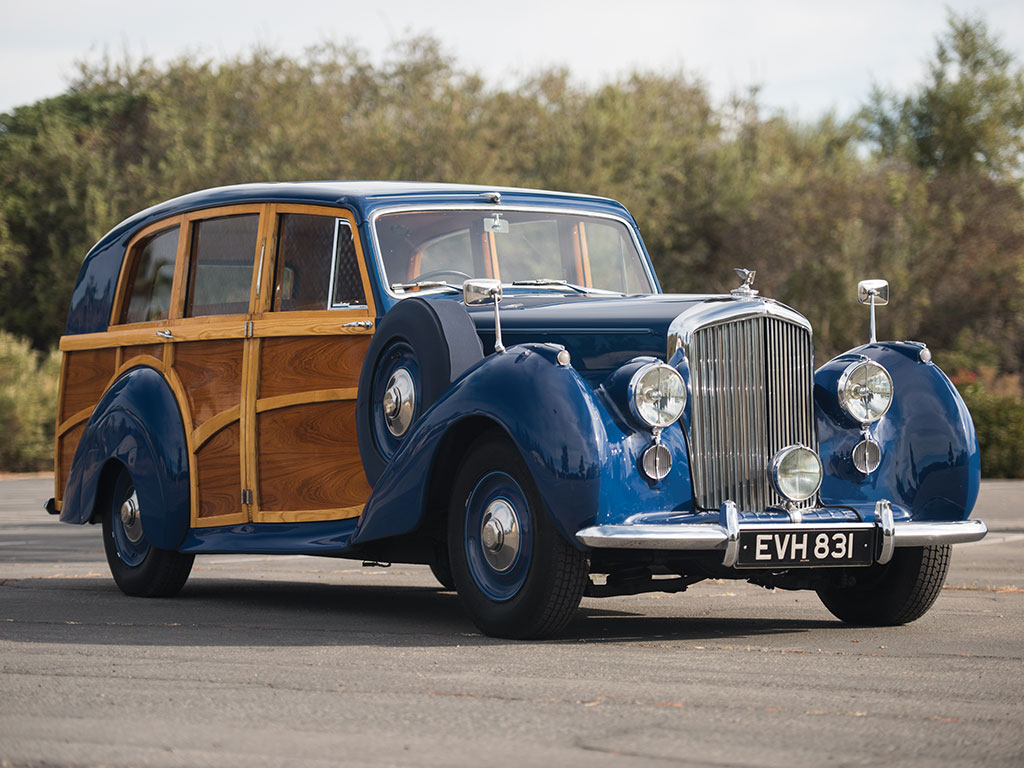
407, 208
705, 536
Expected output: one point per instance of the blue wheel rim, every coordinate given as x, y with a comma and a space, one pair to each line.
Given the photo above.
132, 553
498, 585
398, 355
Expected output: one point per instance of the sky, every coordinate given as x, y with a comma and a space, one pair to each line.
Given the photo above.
805, 56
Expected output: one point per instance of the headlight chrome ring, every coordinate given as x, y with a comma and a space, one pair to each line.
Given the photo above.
657, 395
796, 473
865, 391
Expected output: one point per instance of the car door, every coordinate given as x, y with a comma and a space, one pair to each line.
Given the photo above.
313, 325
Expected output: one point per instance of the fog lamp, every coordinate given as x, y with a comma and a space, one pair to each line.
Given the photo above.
796, 473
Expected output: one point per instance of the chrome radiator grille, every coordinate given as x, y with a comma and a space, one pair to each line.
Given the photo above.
751, 385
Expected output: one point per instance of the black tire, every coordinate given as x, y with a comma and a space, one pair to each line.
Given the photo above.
441, 567
896, 593
537, 594
435, 342
138, 568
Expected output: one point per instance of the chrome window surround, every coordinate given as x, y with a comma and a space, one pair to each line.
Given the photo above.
379, 259
746, 403
331, 303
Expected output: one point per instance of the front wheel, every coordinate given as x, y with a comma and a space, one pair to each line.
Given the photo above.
513, 571
896, 593
138, 568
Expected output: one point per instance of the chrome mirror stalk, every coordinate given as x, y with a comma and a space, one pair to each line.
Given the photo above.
875, 293
480, 291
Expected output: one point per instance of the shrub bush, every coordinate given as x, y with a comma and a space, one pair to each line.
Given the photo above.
28, 393
999, 421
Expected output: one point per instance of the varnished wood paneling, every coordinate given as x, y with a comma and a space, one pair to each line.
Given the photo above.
86, 377
211, 373
67, 444
309, 458
142, 350
219, 481
298, 364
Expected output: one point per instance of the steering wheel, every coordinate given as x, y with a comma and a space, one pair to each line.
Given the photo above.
438, 272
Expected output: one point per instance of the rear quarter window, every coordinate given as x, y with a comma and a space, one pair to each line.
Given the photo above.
148, 289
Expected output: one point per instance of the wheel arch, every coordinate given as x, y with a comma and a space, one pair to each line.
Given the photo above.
544, 409
137, 425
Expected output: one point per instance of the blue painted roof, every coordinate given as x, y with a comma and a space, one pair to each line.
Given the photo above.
94, 292
362, 197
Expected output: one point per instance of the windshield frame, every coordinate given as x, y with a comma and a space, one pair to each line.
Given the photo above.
652, 282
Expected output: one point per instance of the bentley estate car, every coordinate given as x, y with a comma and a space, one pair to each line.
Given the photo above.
491, 382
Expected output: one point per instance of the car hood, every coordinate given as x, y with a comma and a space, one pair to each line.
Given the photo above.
601, 333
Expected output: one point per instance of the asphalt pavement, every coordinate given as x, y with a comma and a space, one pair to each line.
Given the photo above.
265, 661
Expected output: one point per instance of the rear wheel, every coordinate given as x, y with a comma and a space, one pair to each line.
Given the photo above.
898, 592
513, 571
138, 568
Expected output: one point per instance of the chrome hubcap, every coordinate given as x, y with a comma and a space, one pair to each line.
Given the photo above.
130, 519
399, 402
499, 535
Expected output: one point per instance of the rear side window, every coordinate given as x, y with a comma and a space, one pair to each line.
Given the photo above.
317, 266
148, 291
220, 273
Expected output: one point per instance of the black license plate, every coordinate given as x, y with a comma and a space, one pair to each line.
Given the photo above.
806, 547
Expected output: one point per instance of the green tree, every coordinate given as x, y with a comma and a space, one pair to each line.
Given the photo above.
968, 115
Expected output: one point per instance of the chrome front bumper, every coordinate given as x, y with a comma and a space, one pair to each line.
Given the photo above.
725, 534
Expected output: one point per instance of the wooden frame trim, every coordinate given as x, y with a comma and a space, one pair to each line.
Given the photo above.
311, 516
74, 421
265, 404
212, 426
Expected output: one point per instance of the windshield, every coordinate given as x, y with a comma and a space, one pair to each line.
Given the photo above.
435, 247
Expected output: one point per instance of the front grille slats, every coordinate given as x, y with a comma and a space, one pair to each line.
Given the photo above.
751, 383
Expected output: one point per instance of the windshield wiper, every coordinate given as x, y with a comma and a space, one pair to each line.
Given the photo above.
423, 284
549, 282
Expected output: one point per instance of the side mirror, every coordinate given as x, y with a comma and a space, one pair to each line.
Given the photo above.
481, 290
875, 293
873, 289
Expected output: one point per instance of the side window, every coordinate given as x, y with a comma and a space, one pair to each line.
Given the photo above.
148, 290
220, 271
317, 265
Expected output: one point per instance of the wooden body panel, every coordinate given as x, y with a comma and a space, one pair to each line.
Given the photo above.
86, 378
267, 398
308, 459
211, 373
300, 364
220, 482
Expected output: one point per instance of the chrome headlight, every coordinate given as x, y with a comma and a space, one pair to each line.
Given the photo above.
865, 391
796, 473
657, 395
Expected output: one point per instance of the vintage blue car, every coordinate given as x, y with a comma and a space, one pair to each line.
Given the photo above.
491, 382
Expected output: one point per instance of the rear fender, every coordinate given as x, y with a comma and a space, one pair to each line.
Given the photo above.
137, 423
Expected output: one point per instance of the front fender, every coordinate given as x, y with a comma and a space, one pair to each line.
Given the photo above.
582, 459
137, 422
930, 458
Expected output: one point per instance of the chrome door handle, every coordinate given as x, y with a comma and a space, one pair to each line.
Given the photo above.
358, 324
165, 334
